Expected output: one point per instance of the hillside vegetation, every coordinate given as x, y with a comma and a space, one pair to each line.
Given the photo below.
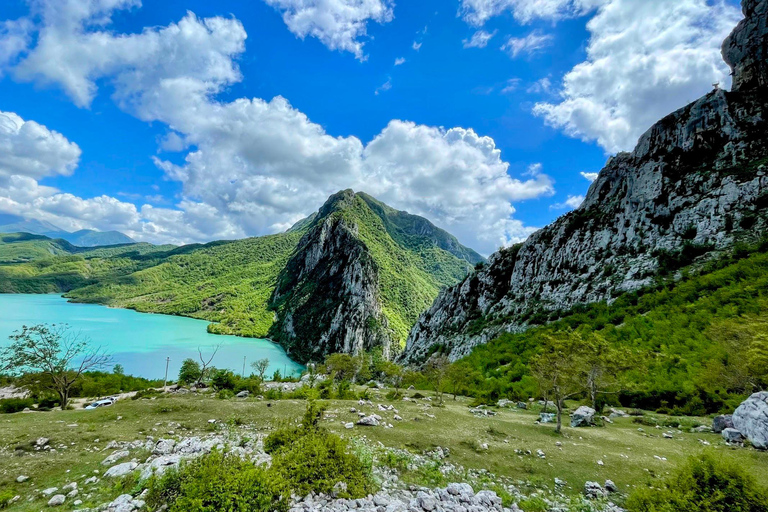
694, 346
231, 283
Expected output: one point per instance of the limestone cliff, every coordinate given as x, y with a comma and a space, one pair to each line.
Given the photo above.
360, 276
694, 185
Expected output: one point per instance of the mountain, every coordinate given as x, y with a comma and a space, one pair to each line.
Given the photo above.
359, 277
694, 187
84, 238
24, 247
354, 275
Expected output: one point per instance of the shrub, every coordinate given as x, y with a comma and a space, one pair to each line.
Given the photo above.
311, 459
218, 482
704, 484
317, 461
225, 394
5, 499
223, 379
11, 405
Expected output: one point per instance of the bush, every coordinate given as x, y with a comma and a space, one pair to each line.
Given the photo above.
311, 459
11, 405
317, 461
5, 499
704, 484
225, 394
218, 482
223, 379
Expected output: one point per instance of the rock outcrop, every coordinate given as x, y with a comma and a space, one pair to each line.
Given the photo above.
359, 277
751, 419
693, 187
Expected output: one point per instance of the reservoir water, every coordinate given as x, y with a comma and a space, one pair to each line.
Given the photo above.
141, 342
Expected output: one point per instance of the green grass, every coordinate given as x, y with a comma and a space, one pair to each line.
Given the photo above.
627, 454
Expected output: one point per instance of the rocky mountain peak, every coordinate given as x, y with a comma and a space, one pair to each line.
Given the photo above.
695, 185
746, 49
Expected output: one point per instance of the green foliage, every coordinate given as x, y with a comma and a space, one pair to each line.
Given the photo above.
705, 484
5, 498
697, 345
223, 380
190, 372
311, 459
11, 405
218, 482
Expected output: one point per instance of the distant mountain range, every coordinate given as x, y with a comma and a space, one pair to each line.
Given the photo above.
10, 223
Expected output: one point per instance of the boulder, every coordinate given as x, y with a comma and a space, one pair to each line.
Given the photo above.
243, 394
57, 500
721, 423
121, 469
594, 490
731, 435
583, 417
121, 454
368, 421
522, 405
547, 417
22, 478
751, 419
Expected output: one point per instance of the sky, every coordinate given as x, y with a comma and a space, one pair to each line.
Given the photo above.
179, 121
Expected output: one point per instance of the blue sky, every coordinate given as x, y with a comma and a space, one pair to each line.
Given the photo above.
161, 123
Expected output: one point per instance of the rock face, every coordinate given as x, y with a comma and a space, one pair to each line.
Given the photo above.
751, 419
583, 417
335, 292
694, 185
721, 423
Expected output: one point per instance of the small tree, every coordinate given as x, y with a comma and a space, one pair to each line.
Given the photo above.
559, 368
205, 364
57, 353
393, 373
458, 375
260, 367
436, 371
189, 372
118, 369
602, 365
342, 366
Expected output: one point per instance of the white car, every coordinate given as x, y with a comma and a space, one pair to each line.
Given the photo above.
100, 403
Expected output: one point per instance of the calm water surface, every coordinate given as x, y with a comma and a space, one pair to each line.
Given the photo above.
140, 341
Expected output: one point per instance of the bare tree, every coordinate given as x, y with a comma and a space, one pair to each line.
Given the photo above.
205, 364
261, 367
436, 371
57, 353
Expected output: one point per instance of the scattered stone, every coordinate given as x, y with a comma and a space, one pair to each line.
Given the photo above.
349, 425
522, 405
732, 436
57, 500
594, 490
547, 417
41, 441
583, 417
121, 469
164, 447
610, 486
243, 394
22, 478
369, 421
49, 491
751, 419
115, 457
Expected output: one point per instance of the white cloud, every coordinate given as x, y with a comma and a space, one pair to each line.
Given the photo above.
14, 39
511, 86
399, 61
644, 60
479, 39
541, 86
416, 45
590, 176
477, 12
255, 166
32, 150
384, 87
338, 24
529, 45
572, 202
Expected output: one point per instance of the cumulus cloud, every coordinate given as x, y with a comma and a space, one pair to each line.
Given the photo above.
528, 45
590, 176
477, 12
32, 150
571, 203
399, 61
338, 24
644, 60
254, 166
479, 39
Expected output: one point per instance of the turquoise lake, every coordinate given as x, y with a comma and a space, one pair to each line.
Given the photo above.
141, 342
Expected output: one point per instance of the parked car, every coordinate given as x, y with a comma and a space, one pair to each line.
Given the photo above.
100, 403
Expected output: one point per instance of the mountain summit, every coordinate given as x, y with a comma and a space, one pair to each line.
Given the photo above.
695, 185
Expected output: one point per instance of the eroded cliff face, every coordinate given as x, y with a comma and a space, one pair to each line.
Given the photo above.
694, 185
327, 297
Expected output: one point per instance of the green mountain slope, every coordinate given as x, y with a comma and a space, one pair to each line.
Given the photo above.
23, 247
267, 286
697, 345
360, 277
